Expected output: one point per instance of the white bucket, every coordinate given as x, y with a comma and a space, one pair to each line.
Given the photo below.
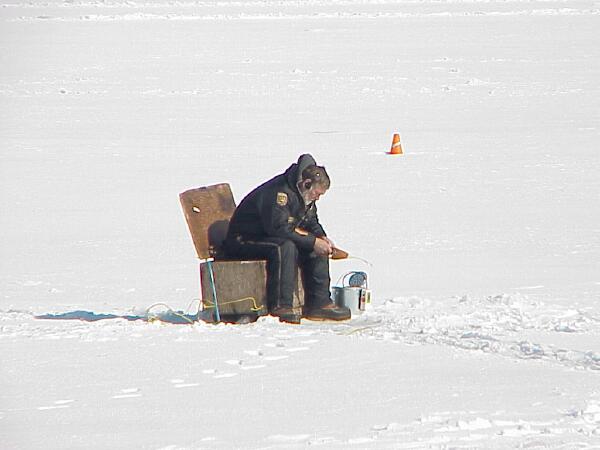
350, 297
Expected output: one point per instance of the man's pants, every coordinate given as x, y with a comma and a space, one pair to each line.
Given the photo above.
283, 259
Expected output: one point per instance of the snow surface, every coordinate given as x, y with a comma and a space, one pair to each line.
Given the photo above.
483, 238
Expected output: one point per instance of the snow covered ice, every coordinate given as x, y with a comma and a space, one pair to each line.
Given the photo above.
484, 237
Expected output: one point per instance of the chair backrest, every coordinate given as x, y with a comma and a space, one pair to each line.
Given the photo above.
207, 212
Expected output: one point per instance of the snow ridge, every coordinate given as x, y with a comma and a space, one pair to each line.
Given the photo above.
309, 16
499, 324
511, 326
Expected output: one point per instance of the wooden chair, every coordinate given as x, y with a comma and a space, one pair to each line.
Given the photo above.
230, 289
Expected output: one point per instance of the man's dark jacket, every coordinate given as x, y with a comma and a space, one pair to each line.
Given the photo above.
276, 209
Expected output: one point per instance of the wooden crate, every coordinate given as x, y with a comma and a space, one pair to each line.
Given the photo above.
241, 288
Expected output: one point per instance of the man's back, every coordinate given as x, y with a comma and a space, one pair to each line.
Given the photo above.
276, 208
247, 220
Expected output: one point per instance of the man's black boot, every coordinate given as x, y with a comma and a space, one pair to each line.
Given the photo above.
328, 312
286, 314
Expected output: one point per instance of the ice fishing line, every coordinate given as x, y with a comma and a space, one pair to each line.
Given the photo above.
360, 259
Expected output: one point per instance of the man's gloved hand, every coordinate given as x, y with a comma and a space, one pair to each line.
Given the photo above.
323, 247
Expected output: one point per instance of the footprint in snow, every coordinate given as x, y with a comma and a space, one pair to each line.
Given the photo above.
288, 438
275, 344
253, 367
216, 374
128, 393
45, 408
243, 365
296, 349
283, 345
360, 440
58, 404
179, 384
225, 375
275, 357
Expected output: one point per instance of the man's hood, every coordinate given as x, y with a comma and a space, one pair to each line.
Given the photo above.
294, 172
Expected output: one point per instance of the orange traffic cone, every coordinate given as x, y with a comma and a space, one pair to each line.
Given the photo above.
396, 146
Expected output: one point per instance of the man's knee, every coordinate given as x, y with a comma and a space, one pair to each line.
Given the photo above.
289, 251
316, 272
320, 264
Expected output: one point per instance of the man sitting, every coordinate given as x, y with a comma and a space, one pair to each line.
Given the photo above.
278, 222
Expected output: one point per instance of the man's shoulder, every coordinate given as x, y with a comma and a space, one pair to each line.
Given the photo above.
279, 194
274, 185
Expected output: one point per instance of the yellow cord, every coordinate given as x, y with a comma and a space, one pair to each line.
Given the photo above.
256, 308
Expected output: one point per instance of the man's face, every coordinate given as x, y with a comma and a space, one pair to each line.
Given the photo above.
313, 194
